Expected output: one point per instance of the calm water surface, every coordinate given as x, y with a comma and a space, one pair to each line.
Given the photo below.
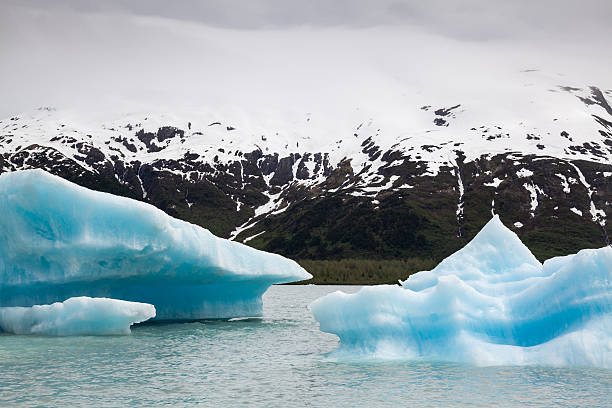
277, 361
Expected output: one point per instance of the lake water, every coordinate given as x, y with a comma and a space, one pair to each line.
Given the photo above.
276, 361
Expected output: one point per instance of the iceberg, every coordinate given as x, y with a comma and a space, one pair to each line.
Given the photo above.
76, 316
59, 240
490, 303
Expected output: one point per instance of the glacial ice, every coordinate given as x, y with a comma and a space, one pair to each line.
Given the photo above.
490, 303
59, 240
76, 316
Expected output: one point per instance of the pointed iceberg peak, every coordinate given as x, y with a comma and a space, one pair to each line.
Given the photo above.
482, 313
496, 254
493, 251
507, 243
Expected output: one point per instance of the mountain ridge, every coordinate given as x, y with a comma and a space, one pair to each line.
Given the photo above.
367, 193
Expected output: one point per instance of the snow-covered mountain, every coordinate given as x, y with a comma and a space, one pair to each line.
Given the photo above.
311, 186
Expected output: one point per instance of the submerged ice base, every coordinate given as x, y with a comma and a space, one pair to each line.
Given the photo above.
490, 303
59, 240
76, 316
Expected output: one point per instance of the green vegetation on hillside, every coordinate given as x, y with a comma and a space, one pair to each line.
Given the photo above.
363, 271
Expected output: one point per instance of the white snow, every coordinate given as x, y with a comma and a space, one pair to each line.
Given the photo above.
459, 211
247, 225
384, 187
533, 194
524, 173
495, 183
274, 201
244, 241
576, 211
564, 183
597, 215
412, 132
144, 191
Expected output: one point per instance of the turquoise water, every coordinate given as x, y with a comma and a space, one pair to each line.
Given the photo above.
276, 361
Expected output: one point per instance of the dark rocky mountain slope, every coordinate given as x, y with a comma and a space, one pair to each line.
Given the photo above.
364, 194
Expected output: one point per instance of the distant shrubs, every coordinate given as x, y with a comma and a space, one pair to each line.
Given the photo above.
364, 271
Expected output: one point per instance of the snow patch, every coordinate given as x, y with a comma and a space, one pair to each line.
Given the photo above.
576, 211
597, 215
564, 183
524, 173
244, 241
495, 183
533, 194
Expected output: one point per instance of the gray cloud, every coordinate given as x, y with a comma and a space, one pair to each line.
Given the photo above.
279, 53
474, 19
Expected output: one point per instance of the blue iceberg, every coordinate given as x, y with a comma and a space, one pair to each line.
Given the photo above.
76, 316
59, 240
490, 303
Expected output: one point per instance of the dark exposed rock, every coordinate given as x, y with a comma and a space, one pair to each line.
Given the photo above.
440, 122
302, 171
168, 132
284, 171
269, 164
445, 111
145, 137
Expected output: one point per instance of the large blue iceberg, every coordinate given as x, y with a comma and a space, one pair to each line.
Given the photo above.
76, 316
59, 240
490, 303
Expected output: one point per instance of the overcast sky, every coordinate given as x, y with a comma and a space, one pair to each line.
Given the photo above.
474, 19
313, 54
